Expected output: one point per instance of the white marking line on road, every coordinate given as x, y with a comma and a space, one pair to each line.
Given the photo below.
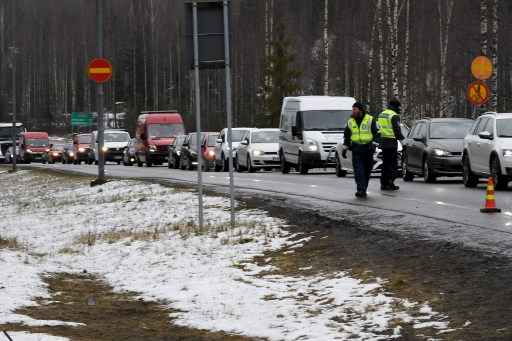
212, 176
313, 186
508, 213
256, 180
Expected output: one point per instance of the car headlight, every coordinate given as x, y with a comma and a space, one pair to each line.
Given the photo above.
152, 148
257, 153
178, 152
81, 150
47, 150
71, 154
55, 154
507, 152
104, 149
211, 153
311, 145
29, 150
441, 152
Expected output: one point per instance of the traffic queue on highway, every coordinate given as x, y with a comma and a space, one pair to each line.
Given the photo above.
310, 136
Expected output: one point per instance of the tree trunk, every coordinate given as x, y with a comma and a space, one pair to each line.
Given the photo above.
483, 26
382, 78
326, 47
445, 10
494, 55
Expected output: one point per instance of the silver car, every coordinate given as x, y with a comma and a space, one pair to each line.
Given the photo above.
258, 150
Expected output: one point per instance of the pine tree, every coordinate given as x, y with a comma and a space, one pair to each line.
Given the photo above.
279, 67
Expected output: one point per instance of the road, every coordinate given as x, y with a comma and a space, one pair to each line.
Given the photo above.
454, 208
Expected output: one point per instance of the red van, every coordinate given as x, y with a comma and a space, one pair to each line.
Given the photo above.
33, 145
155, 132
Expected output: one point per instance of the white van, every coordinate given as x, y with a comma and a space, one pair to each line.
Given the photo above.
310, 127
115, 142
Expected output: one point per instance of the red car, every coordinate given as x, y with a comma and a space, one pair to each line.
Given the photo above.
81, 148
34, 146
155, 132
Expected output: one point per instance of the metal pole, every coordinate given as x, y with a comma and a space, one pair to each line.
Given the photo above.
229, 110
100, 94
14, 151
198, 115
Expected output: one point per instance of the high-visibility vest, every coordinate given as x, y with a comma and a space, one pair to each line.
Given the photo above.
385, 124
361, 134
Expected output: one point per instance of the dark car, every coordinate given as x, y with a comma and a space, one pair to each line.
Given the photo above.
129, 153
434, 148
68, 155
188, 157
175, 151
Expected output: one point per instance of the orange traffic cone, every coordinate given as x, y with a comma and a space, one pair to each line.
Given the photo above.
490, 199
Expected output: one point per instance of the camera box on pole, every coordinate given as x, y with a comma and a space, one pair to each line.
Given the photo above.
210, 34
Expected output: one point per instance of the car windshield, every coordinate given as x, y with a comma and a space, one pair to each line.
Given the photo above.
58, 147
265, 137
504, 127
165, 130
37, 142
237, 135
5, 132
84, 139
117, 137
454, 130
325, 119
212, 140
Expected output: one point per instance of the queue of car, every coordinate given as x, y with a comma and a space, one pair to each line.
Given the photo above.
309, 136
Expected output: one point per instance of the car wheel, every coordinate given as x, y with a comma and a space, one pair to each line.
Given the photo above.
500, 181
470, 180
428, 173
285, 166
340, 172
250, 168
225, 164
302, 168
407, 176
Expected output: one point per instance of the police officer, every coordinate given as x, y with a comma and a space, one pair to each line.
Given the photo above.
359, 135
390, 134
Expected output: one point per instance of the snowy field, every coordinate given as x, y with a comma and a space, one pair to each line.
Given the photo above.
142, 237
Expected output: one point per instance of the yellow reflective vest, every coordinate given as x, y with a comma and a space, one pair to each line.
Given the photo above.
361, 134
385, 124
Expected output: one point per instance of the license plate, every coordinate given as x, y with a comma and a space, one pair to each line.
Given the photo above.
117, 157
275, 158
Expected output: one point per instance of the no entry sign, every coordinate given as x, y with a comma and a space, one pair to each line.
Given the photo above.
100, 70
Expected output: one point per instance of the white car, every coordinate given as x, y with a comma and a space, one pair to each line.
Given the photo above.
488, 150
115, 142
344, 166
222, 147
258, 150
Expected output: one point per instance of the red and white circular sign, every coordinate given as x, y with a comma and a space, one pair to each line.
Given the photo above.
100, 70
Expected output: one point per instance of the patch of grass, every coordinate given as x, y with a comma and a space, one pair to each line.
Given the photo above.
9, 243
106, 315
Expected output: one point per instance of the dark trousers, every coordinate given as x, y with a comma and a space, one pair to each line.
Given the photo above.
389, 166
362, 161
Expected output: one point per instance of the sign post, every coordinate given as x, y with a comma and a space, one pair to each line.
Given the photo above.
100, 71
478, 92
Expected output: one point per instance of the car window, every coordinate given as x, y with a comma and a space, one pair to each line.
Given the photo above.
193, 140
414, 129
421, 131
490, 126
482, 125
504, 128
449, 129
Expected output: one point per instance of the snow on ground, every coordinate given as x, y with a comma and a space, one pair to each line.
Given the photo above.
23, 336
141, 237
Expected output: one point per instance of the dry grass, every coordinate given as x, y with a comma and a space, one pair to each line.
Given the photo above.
9, 243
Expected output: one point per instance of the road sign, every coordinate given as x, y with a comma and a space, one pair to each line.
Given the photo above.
100, 70
83, 119
478, 93
482, 68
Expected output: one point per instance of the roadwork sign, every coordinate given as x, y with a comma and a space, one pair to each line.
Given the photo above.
482, 68
478, 93
100, 70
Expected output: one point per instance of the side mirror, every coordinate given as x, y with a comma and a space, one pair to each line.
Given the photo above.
485, 135
245, 142
219, 140
420, 139
296, 132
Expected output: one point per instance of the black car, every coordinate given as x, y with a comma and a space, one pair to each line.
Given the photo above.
434, 148
188, 157
68, 155
175, 151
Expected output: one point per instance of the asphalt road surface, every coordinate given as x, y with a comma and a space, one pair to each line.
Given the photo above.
455, 210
